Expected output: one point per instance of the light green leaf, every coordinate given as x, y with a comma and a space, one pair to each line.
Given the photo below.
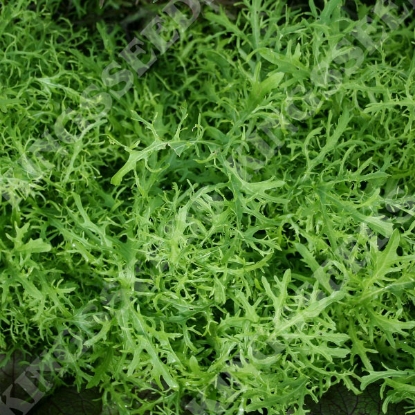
34, 246
134, 158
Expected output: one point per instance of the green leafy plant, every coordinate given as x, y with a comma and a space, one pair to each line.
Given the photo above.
234, 233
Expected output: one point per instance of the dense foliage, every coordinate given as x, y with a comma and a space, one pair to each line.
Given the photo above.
230, 231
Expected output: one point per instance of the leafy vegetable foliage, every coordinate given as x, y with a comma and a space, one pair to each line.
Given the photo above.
244, 211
